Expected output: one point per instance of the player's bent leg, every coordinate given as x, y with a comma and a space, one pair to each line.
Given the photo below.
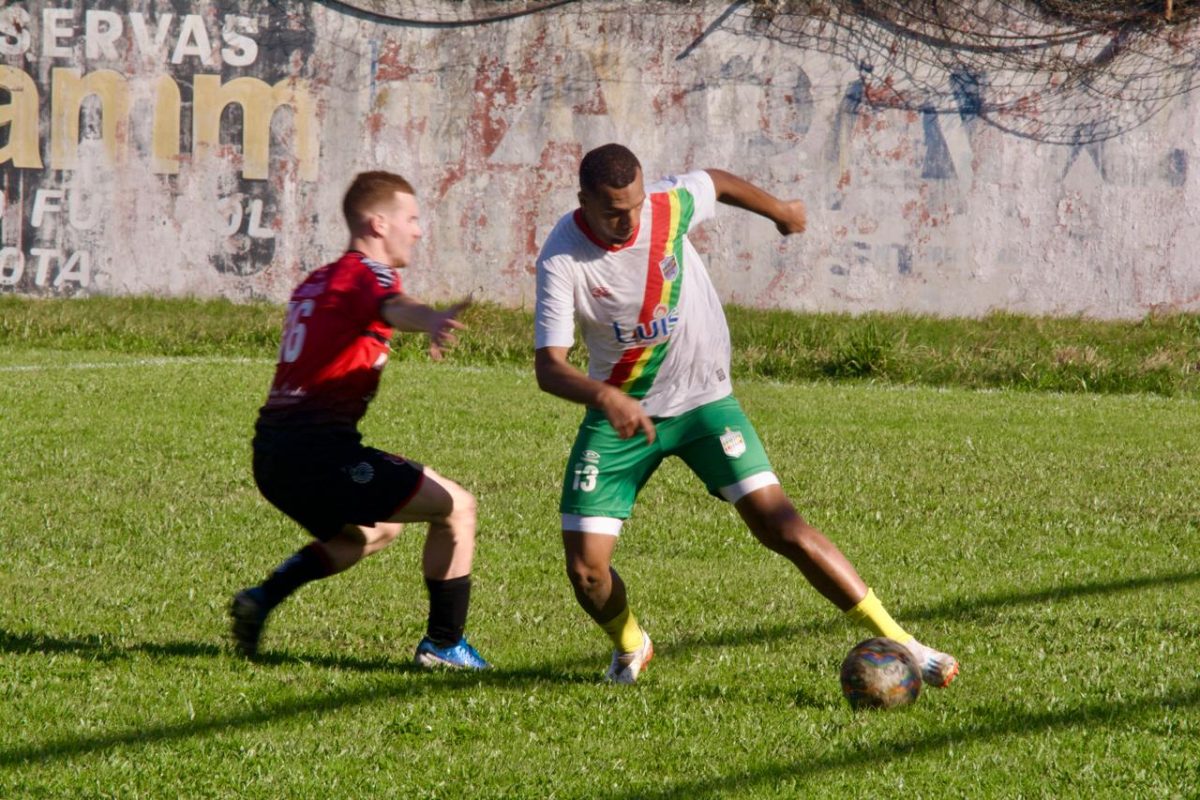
356, 542
600, 591
775, 522
318, 560
598, 588
251, 606
450, 511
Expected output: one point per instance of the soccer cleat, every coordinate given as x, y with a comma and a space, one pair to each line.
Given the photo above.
249, 617
937, 669
459, 655
626, 667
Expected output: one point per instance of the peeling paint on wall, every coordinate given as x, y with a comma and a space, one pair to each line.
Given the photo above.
202, 148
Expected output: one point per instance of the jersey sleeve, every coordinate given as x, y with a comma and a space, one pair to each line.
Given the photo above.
699, 185
554, 313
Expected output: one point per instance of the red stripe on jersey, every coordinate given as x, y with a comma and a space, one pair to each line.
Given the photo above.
660, 223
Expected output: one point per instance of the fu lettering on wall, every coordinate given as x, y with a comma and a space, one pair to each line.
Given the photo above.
125, 126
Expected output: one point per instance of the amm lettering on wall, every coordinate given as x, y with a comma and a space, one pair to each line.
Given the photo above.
83, 90
103, 30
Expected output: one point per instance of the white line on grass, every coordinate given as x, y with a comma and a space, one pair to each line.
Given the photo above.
171, 361
165, 361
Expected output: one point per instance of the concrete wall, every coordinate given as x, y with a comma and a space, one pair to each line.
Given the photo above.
202, 148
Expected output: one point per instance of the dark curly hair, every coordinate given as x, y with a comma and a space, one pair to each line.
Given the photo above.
612, 165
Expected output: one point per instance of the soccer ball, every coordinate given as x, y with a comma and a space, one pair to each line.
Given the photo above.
880, 673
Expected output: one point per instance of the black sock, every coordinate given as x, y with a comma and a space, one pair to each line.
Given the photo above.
448, 603
308, 564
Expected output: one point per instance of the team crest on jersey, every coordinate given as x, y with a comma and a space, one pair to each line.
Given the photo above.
362, 472
669, 267
733, 443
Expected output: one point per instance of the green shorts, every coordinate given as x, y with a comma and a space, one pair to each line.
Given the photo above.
716, 440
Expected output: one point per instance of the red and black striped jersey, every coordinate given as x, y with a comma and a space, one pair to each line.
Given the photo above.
335, 345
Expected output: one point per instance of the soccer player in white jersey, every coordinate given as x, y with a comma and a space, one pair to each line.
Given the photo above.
622, 269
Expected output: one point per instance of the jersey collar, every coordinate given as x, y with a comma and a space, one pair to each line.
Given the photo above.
366, 260
581, 223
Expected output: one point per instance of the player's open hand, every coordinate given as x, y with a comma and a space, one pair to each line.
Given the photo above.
793, 217
442, 327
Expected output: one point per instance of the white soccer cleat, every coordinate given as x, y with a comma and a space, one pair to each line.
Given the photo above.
626, 667
938, 669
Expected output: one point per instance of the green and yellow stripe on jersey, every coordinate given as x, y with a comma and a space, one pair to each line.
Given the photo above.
670, 214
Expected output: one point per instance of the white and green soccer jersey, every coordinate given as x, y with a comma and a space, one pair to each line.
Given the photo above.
647, 310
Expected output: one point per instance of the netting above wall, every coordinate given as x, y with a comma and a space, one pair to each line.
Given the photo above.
447, 14
1059, 71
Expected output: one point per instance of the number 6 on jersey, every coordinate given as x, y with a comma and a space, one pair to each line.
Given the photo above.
294, 330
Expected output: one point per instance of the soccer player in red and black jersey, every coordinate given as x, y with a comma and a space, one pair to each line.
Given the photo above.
309, 460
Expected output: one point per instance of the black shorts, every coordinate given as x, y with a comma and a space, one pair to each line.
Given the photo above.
325, 479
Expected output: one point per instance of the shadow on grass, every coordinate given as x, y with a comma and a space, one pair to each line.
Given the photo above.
956, 609
576, 671
98, 648
1003, 724
409, 680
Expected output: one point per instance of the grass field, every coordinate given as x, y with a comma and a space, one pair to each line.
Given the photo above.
1047, 539
1159, 354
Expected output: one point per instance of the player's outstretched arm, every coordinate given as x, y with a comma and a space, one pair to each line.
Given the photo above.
406, 314
557, 376
788, 215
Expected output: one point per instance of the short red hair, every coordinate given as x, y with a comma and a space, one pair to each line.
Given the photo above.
370, 190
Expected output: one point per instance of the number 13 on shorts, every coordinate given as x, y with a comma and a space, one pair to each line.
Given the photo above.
585, 477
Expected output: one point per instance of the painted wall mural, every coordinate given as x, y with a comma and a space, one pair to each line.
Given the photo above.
144, 143
201, 148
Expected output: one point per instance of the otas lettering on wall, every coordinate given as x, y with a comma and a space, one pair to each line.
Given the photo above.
82, 91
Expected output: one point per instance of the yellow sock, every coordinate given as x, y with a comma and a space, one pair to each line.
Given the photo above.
624, 631
872, 613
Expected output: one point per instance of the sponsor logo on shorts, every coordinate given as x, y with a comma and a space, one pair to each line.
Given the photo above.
591, 456
601, 291
362, 472
733, 443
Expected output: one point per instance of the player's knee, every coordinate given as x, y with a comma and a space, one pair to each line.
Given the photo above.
386, 532
789, 533
463, 514
585, 576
